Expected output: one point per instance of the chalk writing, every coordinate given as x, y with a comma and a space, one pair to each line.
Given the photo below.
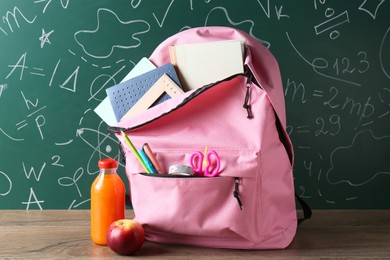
72, 78
319, 63
18, 65
64, 4
374, 165
345, 65
266, 9
135, 3
331, 126
56, 161
3, 87
233, 23
11, 137
59, 57
12, 18
75, 206
161, 23
102, 148
331, 23
279, 12
32, 199
32, 170
108, 80
371, 7
44, 38
68, 181
37, 72
297, 89
64, 143
385, 70
39, 119
138, 27
5, 184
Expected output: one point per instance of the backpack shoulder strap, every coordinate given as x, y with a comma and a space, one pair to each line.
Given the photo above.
306, 209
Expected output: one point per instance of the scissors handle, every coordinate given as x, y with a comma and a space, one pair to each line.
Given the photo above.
196, 162
209, 169
215, 170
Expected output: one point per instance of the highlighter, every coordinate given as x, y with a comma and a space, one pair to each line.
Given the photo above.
147, 162
151, 157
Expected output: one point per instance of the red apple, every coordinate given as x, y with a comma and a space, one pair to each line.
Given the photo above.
125, 236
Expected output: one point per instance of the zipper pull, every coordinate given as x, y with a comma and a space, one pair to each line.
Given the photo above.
115, 129
246, 105
235, 192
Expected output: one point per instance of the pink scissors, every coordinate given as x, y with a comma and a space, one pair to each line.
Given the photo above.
204, 163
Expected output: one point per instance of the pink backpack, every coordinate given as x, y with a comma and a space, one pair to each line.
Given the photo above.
251, 204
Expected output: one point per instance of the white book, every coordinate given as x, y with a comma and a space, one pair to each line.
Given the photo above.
199, 64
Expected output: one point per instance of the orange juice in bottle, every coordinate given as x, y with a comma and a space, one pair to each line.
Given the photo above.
107, 200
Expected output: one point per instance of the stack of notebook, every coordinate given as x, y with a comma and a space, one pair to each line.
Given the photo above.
192, 66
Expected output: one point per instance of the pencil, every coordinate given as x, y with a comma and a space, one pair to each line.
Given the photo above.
130, 144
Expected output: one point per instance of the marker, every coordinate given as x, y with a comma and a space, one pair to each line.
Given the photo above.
130, 144
147, 162
151, 157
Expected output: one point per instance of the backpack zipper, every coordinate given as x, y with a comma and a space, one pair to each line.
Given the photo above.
250, 79
235, 192
246, 105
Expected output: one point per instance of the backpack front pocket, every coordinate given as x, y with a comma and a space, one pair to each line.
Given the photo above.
199, 210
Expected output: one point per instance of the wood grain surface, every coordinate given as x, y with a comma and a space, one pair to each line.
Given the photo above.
66, 234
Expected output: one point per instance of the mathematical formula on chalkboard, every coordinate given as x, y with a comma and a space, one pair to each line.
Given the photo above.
58, 57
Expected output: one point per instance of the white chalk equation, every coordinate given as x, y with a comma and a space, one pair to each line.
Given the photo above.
20, 67
360, 112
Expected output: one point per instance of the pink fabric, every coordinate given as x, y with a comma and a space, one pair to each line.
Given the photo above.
260, 60
203, 211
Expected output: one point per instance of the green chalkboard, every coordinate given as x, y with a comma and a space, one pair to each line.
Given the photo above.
58, 57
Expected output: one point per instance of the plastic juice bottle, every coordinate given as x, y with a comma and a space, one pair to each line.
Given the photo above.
107, 200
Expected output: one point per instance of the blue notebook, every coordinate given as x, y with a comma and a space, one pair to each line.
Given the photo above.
126, 94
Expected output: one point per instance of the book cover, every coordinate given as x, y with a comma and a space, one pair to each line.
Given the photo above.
164, 85
104, 109
199, 64
126, 94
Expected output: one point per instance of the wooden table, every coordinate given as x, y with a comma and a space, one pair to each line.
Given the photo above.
65, 235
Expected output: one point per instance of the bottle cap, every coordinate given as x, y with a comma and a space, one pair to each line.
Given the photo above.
107, 163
